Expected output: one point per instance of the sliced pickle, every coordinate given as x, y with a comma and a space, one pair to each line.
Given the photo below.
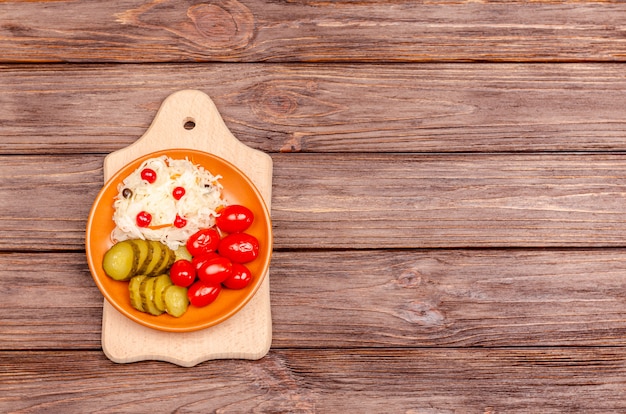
159, 254
133, 290
145, 255
170, 256
120, 261
144, 264
146, 290
176, 300
183, 253
161, 283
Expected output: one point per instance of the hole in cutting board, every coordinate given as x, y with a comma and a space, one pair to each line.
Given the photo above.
189, 124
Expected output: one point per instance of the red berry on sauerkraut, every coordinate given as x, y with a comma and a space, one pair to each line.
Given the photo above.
179, 196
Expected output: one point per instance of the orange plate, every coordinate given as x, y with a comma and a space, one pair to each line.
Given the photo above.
238, 189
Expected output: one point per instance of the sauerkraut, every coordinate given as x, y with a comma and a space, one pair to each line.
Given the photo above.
197, 208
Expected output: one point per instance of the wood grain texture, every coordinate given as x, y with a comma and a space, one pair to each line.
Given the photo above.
399, 201
314, 31
35, 211
324, 108
363, 299
471, 298
317, 381
49, 301
364, 201
449, 218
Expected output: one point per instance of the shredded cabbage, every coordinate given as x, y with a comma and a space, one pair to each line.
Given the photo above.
198, 206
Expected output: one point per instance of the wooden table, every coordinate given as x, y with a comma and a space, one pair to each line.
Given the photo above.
449, 200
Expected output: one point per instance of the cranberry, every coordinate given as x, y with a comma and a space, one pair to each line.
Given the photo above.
179, 222
149, 175
178, 193
143, 219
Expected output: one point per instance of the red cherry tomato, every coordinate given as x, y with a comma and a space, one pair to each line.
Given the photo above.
149, 175
178, 193
215, 270
183, 273
239, 247
179, 222
203, 241
234, 219
240, 277
198, 261
143, 219
202, 294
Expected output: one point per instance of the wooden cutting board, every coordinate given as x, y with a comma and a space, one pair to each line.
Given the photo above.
189, 119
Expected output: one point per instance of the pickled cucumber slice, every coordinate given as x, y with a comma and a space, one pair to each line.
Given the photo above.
146, 290
183, 253
133, 290
168, 260
176, 301
145, 255
161, 283
143, 263
120, 261
129, 258
159, 253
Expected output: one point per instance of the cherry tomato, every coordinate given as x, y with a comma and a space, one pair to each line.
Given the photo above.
203, 241
178, 193
240, 278
149, 175
239, 247
215, 270
198, 261
179, 222
234, 219
183, 273
201, 293
143, 219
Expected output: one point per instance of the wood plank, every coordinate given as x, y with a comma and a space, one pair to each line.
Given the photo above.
49, 301
324, 108
424, 298
359, 201
449, 298
590, 380
257, 30
45, 201
433, 201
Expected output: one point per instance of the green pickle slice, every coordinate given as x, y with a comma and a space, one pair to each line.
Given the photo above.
120, 262
146, 290
168, 260
133, 290
161, 283
176, 300
145, 255
183, 253
159, 254
144, 264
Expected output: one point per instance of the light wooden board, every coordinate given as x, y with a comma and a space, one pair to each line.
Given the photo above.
246, 335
